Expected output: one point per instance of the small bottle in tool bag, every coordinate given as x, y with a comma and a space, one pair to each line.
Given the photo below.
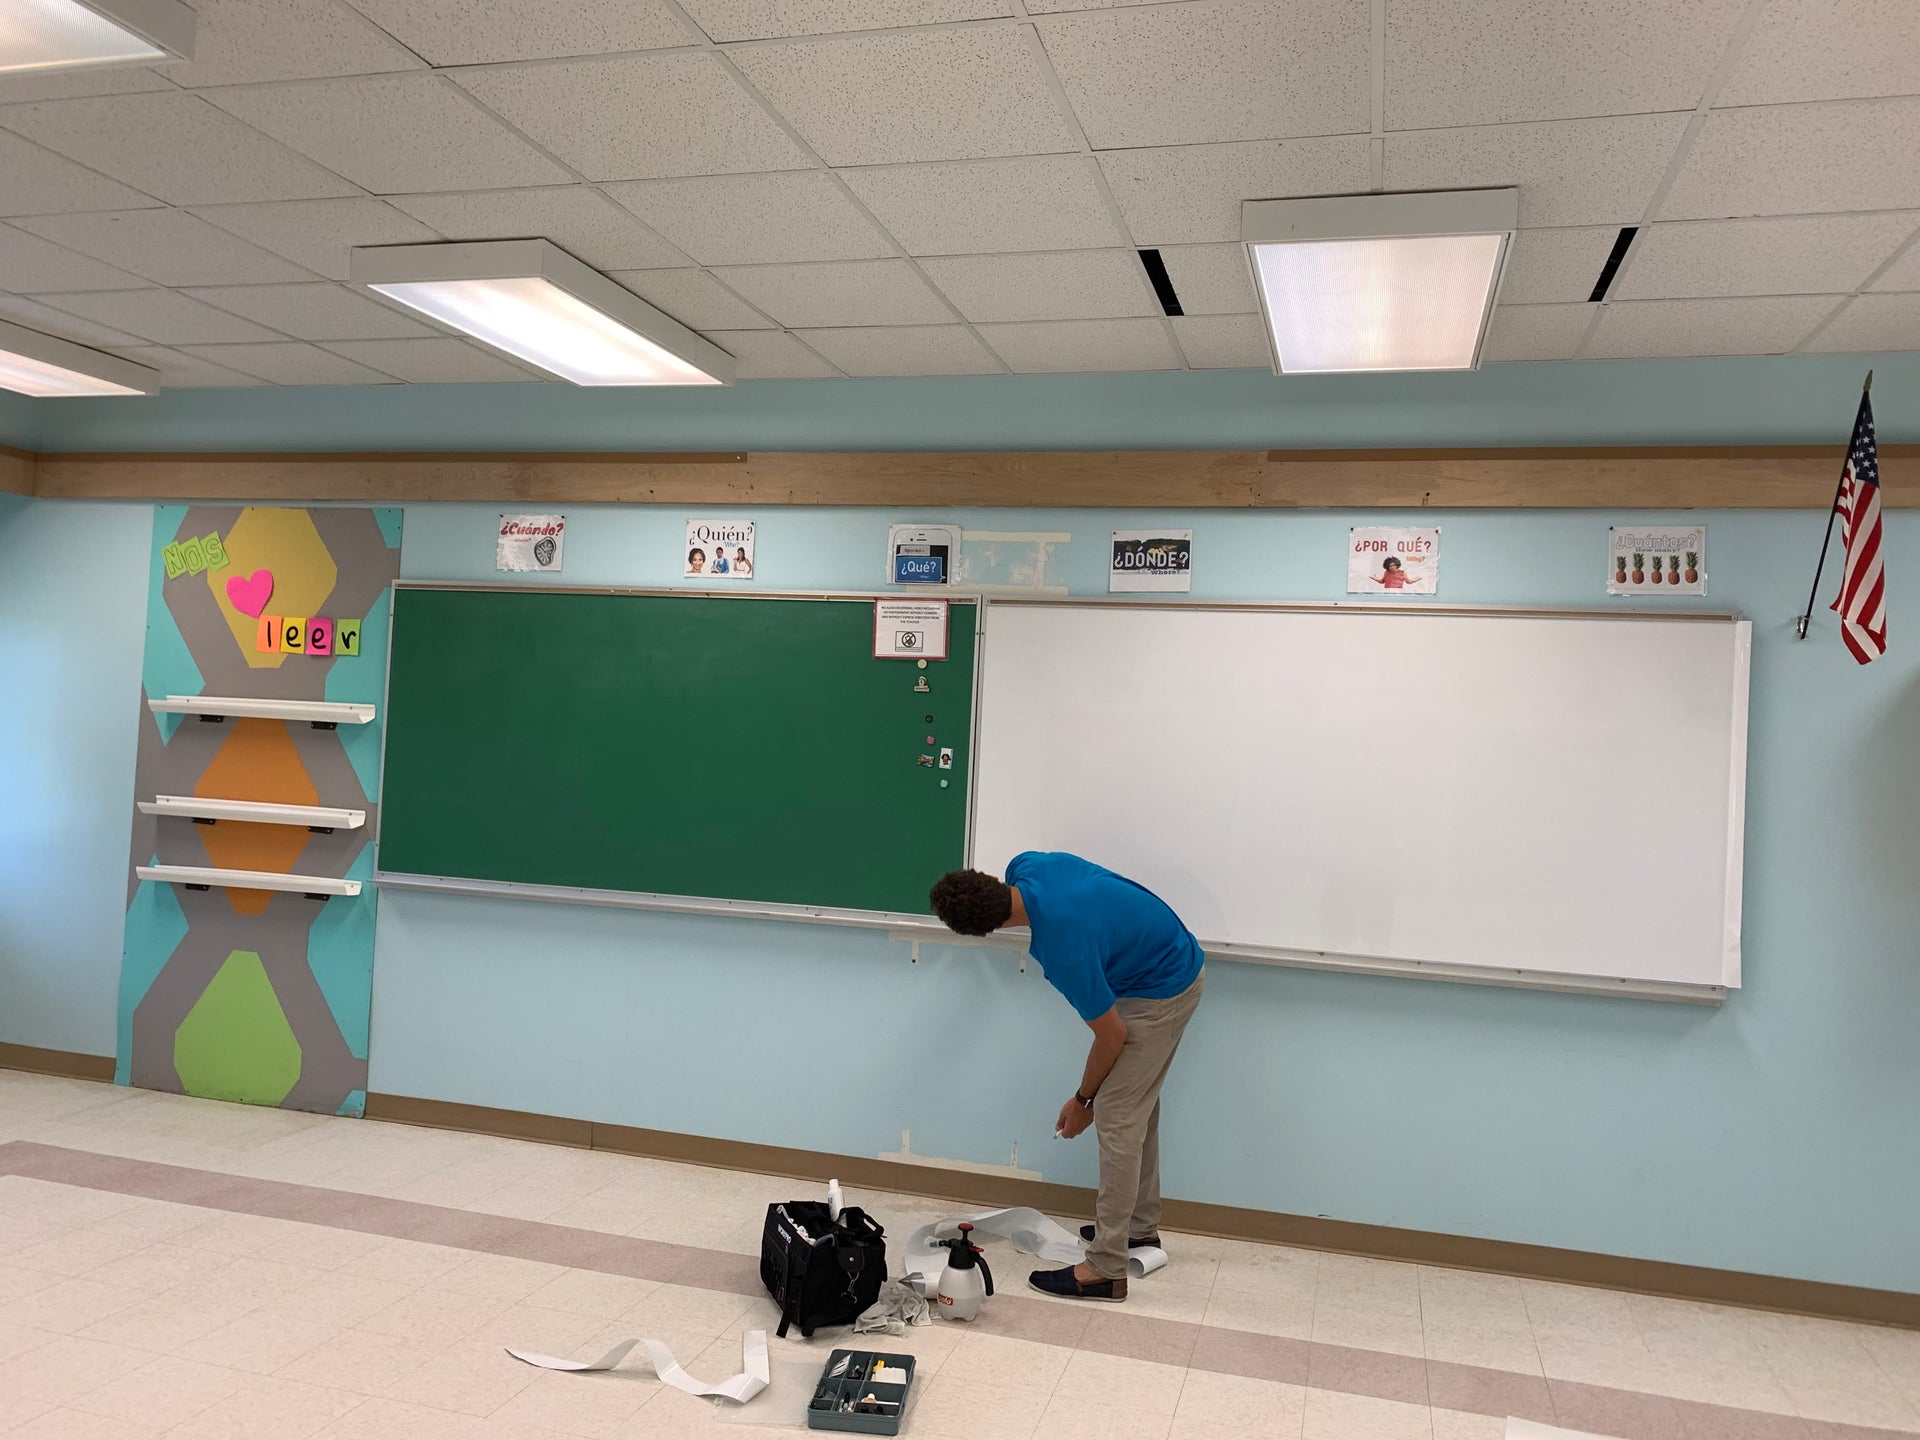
966, 1282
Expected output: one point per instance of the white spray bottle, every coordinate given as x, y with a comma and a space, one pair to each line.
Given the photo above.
966, 1282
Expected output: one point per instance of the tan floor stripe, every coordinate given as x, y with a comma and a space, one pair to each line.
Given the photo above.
1627, 1414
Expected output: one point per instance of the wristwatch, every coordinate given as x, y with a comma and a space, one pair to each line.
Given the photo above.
1085, 1100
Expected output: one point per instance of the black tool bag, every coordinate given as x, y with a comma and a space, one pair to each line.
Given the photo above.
821, 1271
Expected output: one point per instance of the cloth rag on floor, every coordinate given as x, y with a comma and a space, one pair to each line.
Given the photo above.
1030, 1232
752, 1379
899, 1306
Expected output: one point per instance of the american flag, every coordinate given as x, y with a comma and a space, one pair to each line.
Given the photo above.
1862, 601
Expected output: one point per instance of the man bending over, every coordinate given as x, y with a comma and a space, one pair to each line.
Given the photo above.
1132, 971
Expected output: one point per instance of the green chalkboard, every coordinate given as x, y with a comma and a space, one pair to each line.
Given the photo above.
735, 747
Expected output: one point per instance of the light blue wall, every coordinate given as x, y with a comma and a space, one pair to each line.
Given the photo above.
73, 607
1762, 1136
1768, 1136
1750, 401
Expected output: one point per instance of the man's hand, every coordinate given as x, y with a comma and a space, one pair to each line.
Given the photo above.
1074, 1118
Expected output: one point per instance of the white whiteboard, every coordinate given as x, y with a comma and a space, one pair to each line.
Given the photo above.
1552, 794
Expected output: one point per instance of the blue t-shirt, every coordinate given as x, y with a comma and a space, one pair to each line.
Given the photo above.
1098, 936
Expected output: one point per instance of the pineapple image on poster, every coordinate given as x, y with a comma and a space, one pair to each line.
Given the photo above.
1662, 560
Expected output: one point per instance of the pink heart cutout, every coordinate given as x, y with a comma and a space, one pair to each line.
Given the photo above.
250, 593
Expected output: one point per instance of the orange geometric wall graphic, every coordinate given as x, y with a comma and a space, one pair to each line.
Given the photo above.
258, 761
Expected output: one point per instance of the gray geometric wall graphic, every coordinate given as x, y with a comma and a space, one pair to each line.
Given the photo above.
280, 933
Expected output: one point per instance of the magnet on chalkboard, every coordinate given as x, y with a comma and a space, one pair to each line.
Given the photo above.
932, 741
943, 784
927, 760
920, 686
929, 719
921, 663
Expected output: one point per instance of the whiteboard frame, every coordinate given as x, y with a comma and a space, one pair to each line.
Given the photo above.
920, 929
1433, 970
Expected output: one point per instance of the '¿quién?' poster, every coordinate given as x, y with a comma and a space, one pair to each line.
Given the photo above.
719, 550
1387, 561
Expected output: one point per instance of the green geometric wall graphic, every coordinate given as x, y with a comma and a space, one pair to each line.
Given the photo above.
235, 1044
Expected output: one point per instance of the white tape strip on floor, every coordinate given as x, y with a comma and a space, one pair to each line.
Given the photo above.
1029, 1232
1518, 1429
752, 1379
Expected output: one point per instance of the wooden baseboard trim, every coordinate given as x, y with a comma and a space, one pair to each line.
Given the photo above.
69, 1064
1386, 1242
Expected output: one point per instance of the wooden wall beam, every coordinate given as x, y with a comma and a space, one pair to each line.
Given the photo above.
1736, 478
16, 471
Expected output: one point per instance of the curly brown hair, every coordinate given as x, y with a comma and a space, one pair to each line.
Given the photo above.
971, 902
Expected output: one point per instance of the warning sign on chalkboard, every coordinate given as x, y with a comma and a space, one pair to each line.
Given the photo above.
909, 629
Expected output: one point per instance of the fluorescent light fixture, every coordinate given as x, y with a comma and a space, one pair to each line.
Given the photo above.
1379, 282
45, 365
533, 300
76, 34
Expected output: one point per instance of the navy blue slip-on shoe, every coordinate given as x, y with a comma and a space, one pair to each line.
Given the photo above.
1065, 1284
1136, 1243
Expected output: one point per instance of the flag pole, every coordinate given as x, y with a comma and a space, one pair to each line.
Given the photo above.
1839, 485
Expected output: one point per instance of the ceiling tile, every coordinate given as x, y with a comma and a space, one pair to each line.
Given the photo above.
1903, 274
39, 182
1569, 172
758, 20
756, 219
173, 145
394, 134
1223, 342
180, 371
478, 32
1211, 279
313, 312
1823, 50
771, 355
1051, 285
694, 298
1799, 160
840, 293
167, 246
318, 233
637, 117
433, 362
71, 84
1801, 255
1485, 62
48, 321
1548, 266
32, 265
1535, 332
238, 42
1769, 325
906, 350
917, 95
289, 364
1872, 323
577, 218
976, 207
164, 317
1193, 193
1191, 74
1078, 346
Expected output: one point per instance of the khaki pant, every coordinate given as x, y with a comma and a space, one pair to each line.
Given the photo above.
1126, 1117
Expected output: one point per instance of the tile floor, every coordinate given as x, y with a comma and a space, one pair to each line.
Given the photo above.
182, 1268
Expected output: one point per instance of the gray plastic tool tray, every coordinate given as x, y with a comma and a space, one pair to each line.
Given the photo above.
852, 1386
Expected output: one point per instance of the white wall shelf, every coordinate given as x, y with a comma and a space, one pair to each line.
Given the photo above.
198, 808
322, 714
201, 877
